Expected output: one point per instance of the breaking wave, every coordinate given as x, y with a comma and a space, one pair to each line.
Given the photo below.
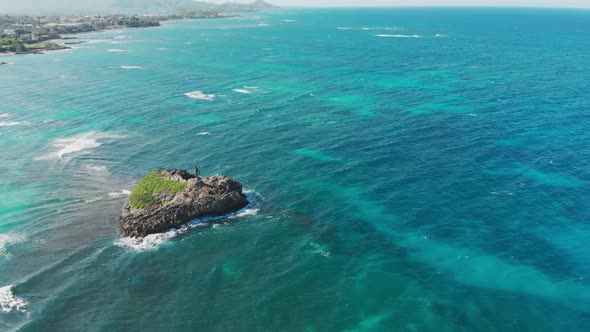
9, 302
86, 141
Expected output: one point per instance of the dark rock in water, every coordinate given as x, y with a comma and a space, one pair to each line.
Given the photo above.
169, 198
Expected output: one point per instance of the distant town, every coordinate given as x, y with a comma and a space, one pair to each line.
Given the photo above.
36, 34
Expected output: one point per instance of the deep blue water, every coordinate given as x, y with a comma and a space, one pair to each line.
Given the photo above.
413, 170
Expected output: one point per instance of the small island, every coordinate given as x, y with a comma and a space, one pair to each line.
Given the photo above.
170, 198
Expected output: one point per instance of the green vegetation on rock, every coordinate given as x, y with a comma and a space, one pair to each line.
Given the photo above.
153, 183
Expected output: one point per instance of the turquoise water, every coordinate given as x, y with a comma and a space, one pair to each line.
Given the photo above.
412, 170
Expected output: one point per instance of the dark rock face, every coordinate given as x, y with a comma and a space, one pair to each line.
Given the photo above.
213, 196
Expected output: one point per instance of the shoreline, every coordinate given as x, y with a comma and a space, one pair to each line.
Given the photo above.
72, 39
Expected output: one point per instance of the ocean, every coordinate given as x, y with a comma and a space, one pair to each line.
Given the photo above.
409, 170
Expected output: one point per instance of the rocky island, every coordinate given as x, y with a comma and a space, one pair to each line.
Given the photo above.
170, 198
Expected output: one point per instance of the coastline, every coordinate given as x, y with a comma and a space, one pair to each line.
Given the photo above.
72, 39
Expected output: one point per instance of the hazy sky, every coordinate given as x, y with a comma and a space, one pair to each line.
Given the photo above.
357, 3
38, 6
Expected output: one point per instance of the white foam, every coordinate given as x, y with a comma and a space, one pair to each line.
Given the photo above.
14, 123
289, 21
7, 240
397, 36
150, 242
244, 213
440, 36
319, 249
118, 42
9, 302
116, 50
92, 200
95, 41
365, 29
204, 133
120, 37
6, 115
97, 169
244, 91
77, 143
131, 67
120, 194
200, 95
153, 241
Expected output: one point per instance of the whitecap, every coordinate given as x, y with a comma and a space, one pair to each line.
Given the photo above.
89, 140
120, 194
9, 302
200, 95
116, 50
203, 133
6, 115
244, 91
440, 36
289, 21
397, 36
7, 240
14, 123
120, 37
153, 241
131, 67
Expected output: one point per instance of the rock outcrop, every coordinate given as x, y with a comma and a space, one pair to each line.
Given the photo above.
169, 198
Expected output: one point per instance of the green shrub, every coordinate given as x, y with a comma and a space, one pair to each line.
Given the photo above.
153, 183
